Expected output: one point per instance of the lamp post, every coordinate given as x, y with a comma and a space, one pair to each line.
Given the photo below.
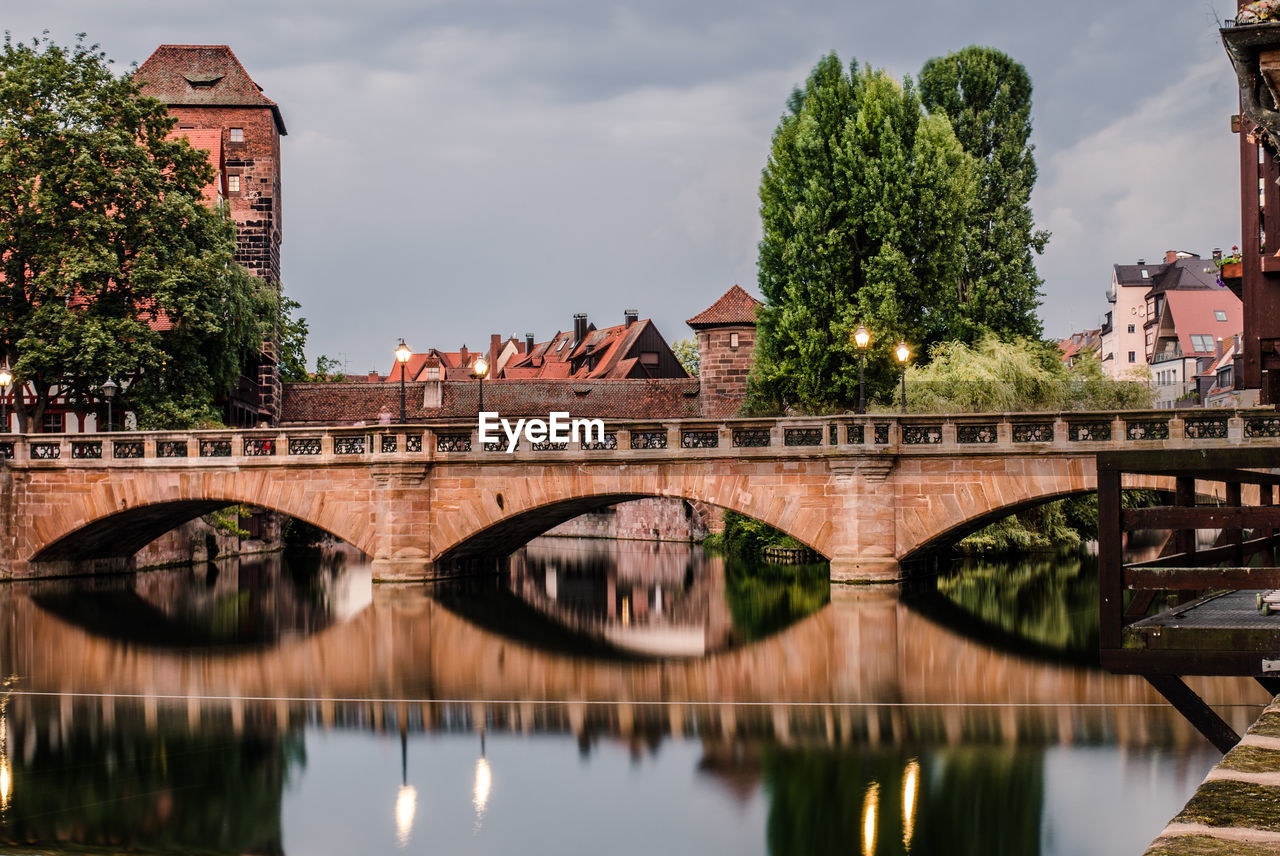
903, 353
862, 338
109, 392
402, 357
480, 368
5, 379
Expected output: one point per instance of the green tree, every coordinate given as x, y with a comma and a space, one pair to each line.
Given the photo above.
994, 376
864, 202
293, 349
112, 264
686, 351
987, 97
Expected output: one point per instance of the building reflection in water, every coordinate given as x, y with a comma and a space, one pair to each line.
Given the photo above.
870, 806
910, 780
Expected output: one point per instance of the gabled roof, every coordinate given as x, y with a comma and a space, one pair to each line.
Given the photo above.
734, 308
1193, 313
202, 76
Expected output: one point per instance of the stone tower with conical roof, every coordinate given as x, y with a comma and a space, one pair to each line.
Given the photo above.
726, 340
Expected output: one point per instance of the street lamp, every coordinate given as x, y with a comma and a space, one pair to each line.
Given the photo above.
903, 353
862, 338
109, 392
402, 357
5, 379
479, 369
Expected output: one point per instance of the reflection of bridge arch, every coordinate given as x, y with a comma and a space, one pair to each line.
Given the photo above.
863, 648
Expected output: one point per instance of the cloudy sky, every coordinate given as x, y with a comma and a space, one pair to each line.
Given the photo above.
456, 168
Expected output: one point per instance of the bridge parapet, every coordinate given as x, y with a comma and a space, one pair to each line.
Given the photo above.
648, 440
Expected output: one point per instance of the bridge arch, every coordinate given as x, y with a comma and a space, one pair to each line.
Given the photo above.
107, 520
960, 520
503, 514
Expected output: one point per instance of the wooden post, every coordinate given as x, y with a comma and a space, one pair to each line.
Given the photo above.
1234, 537
1110, 559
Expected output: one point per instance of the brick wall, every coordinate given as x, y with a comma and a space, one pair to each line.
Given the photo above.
724, 366
256, 208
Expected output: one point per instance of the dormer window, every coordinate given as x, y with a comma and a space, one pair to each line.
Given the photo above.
237, 135
203, 81
1145, 275
1219, 315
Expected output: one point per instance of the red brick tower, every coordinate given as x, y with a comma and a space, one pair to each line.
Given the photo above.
206, 87
726, 340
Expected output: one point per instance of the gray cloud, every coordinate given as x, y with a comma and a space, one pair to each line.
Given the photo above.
460, 168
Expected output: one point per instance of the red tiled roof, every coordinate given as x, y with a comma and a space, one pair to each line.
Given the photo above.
734, 307
1193, 314
202, 75
346, 403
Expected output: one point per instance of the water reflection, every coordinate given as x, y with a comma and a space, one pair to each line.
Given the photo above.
866, 726
254, 601
651, 599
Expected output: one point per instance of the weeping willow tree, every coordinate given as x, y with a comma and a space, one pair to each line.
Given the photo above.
998, 376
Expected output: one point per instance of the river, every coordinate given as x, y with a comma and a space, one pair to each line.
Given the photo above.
599, 696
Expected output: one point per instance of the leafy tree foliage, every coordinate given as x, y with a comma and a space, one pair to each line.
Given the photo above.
293, 349
864, 203
994, 376
987, 97
686, 351
111, 263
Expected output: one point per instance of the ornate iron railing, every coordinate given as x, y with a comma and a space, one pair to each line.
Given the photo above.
305, 446
453, 442
215, 448
1085, 432
648, 439
1033, 432
608, 444
976, 434
128, 449
751, 438
1209, 428
259, 447
86, 449
699, 439
802, 437
348, 445
921, 435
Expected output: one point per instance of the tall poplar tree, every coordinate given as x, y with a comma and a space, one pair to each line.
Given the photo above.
111, 263
864, 203
987, 97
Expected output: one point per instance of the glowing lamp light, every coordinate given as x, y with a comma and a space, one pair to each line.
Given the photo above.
403, 353
481, 367
5, 377
406, 807
862, 338
902, 352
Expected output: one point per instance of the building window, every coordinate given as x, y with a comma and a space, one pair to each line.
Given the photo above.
648, 358
52, 423
1133, 356
1220, 315
233, 184
1133, 328
1201, 343
1144, 273
733, 340
237, 135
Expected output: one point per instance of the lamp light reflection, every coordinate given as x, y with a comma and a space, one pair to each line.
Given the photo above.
484, 781
406, 807
910, 785
870, 805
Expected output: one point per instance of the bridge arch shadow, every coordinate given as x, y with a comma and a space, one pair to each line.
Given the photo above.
120, 535
949, 537
506, 535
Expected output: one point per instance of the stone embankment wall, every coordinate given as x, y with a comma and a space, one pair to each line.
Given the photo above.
198, 541
1236, 810
654, 519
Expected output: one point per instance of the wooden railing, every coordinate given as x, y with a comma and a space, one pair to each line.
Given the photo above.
960, 434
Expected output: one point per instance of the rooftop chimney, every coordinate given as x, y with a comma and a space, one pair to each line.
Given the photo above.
629, 317
579, 327
1170, 256
1142, 261
462, 356
528, 343
495, 348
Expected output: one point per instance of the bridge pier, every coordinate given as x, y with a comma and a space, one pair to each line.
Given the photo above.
865, 569
402, 569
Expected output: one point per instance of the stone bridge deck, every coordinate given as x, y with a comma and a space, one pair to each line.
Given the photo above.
866, 492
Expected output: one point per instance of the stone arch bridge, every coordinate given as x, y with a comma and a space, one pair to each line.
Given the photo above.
866, 492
